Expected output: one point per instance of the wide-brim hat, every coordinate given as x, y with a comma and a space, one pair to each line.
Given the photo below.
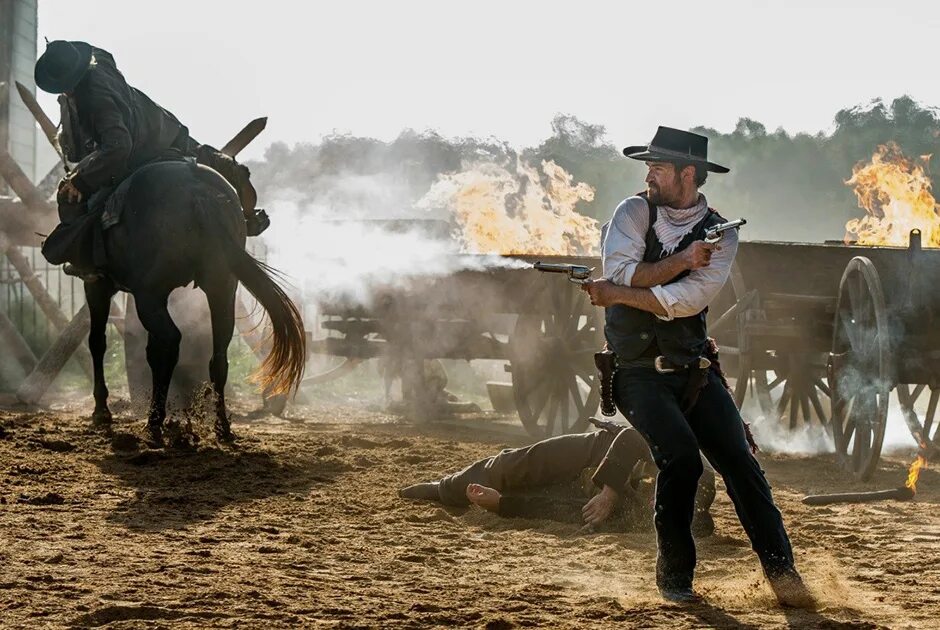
675, 145
62, 66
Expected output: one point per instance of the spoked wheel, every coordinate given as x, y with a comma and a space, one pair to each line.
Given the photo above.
554, 381
794, 391
860, 369
925, 432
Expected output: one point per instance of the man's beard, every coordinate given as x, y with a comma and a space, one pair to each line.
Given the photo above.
657, 198
655, 195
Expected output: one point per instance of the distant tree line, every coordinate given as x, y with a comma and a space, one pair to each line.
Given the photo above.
790, 187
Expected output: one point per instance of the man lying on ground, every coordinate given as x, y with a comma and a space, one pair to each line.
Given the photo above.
554, 479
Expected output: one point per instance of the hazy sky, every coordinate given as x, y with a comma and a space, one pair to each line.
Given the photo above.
505, 68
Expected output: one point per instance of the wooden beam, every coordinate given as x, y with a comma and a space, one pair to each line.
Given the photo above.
20, 183
45, 123
55, 358
46, 303
14, 343
21, 224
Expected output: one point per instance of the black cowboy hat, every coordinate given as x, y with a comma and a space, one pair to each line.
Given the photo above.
62, 66
675, 145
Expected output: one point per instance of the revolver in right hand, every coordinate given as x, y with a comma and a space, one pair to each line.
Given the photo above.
713, 234
579, 274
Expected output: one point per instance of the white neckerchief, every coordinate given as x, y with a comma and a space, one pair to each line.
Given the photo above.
672, 224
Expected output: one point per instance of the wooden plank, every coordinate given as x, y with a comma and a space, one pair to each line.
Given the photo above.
14, 343
20, 183
46, 303
52, 362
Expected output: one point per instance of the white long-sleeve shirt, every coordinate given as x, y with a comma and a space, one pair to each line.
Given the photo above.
623, 245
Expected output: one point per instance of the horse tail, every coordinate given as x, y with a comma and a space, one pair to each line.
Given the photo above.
283, 367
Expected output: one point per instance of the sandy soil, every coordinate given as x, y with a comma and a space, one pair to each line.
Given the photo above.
299, 524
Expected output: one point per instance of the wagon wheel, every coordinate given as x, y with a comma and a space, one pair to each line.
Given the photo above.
554, 382
927, 432
794, 391
860, 369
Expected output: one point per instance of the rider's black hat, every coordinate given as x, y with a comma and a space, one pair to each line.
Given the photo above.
675, 145
62, 66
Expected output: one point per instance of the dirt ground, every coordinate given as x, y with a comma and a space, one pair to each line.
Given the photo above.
298, 524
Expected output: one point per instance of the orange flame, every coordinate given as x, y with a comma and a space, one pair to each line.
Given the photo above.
914, 472
499, 211
895, 191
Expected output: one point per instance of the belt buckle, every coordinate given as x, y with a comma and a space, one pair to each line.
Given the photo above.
660, 365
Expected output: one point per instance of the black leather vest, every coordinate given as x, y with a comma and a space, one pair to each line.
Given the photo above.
631, 332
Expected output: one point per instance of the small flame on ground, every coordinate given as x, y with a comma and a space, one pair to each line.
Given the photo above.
504, 211
895, 191
914, 472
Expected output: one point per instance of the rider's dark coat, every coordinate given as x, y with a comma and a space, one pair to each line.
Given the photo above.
111, 128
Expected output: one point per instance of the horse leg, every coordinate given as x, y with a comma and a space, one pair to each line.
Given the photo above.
222, 309
98, 297
163, 350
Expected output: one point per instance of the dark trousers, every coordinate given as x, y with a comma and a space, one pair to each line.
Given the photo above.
555, 460
651, 402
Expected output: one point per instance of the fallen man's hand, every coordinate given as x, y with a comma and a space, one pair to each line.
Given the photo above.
600, 507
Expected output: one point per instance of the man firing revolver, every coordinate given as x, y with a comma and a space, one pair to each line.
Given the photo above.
659, 276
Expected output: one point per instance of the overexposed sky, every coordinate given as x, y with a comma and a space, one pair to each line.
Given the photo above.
506, 68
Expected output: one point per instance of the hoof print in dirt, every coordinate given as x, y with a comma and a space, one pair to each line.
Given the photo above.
57, 446
49, 498
126, 442
145, 458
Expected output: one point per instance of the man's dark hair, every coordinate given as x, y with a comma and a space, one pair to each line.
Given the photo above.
701, 173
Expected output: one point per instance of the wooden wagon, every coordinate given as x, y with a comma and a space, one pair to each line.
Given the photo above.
823, 333
544, 327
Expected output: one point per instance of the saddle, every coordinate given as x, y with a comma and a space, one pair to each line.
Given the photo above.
79, 237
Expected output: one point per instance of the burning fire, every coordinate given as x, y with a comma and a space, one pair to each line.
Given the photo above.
914, 472
895, 191
499, 211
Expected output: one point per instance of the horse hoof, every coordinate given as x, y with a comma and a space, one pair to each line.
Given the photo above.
224, 434
154, 435
101, 417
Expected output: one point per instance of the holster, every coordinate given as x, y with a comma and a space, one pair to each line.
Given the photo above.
698, 377
606, 362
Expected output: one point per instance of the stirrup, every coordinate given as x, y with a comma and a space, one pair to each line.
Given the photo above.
257, 222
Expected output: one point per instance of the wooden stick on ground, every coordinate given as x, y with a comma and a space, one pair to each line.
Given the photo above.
898, 494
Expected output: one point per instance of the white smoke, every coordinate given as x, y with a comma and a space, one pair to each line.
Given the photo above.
340, 254
775, 436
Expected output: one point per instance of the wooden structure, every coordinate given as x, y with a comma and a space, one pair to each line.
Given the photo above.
824, 333
544, 326
21, 218
816, 333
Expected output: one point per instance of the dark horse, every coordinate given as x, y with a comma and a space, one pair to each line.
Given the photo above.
183, 223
